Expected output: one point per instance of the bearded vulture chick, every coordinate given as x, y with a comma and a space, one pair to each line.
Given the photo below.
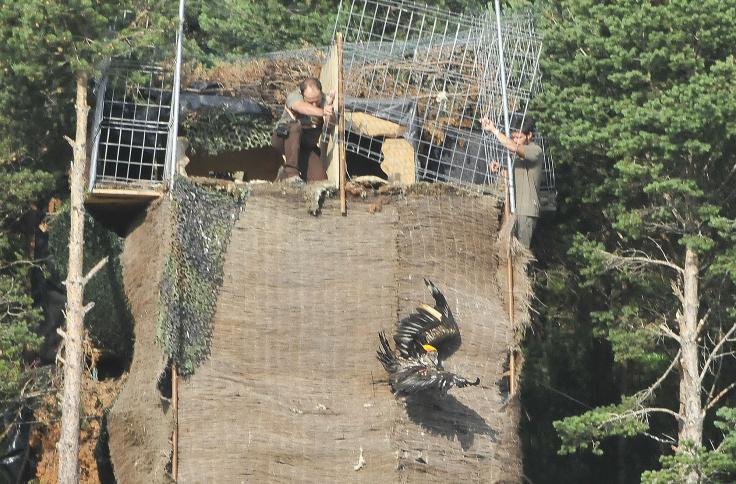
423, 340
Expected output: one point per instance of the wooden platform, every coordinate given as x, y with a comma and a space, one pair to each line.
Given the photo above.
124, 196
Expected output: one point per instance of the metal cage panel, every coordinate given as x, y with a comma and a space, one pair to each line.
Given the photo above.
446, 66
133, 128
134, 125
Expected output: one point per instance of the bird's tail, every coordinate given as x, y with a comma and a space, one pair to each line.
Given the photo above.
461, 382
385, 354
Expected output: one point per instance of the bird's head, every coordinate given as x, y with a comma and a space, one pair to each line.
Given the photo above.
431, 353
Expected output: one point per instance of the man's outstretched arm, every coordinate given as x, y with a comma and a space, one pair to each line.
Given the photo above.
510, 144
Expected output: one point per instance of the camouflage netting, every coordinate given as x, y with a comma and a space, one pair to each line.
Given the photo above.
216, 130
109, 323
267, 81
203, 219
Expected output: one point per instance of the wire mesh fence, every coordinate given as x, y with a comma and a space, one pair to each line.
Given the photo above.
309, 398
442, 69
431, 72
134, 119
133, 126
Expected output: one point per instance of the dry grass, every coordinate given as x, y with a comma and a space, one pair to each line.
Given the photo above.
264, 79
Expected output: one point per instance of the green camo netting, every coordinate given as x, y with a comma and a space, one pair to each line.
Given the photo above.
203, 219
109, 323
216, 130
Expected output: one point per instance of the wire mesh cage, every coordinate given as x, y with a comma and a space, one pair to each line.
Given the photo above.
133, 129
522, 48
134, 119
441, 71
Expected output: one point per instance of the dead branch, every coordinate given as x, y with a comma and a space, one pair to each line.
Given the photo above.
94, 270
668, 440
642, 412
646, 393
32, 263
720, 395
71, 142
715, 351
668, 332
677, 291
716, 374
702, 322
659, 246
88, 307
636, 262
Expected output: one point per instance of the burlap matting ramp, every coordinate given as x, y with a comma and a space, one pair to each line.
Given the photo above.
140, 422
292, 391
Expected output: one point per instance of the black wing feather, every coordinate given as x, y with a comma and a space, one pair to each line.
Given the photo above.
412, 370
419, 378
440, 302
425, 327
386, 355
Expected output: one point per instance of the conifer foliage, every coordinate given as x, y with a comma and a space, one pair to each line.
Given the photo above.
641, 105
57, 45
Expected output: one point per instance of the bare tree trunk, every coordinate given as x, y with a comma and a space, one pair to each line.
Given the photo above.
68, 445
691, 410
622, 461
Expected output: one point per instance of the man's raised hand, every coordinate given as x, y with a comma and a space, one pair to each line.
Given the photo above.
328, 110
487, 124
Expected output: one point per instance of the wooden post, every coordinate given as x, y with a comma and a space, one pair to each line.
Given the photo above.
341, 125
175, 435
508, 219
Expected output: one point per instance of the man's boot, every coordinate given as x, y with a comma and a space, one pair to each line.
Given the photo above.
289, 174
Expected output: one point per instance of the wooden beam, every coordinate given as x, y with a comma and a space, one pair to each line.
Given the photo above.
341, 125
175, 435
125, 192
118, 196
509, 219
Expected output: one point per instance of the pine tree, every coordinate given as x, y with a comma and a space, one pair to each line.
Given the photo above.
224, 29
64, 42
643, 117
18, 316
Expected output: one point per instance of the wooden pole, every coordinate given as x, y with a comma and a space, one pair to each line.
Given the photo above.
341, 125
175, 436
508, 219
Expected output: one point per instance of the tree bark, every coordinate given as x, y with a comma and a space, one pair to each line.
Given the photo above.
68, 445
691, 428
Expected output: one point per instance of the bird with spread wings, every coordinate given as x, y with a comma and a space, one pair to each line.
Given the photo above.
423, 340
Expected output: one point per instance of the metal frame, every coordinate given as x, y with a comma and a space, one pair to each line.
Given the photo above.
132, 126
136, 120
457, 68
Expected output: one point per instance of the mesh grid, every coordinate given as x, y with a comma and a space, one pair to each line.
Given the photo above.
295, 333
133, 129
133, 118
444, 67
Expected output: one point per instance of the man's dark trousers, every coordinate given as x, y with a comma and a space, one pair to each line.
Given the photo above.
301, 153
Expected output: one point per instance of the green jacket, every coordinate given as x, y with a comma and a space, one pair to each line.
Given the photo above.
528, 177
